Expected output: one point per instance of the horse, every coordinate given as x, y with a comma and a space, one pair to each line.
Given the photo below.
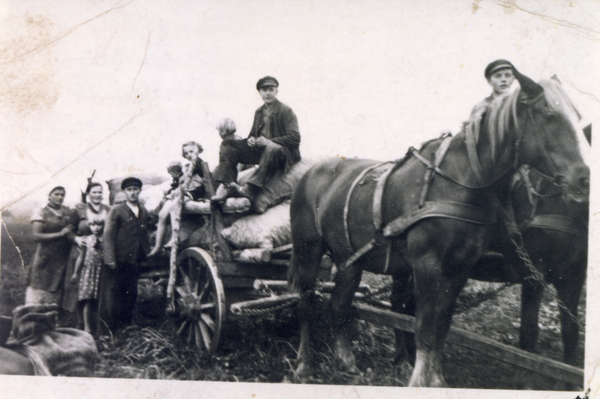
555, 235
425, 219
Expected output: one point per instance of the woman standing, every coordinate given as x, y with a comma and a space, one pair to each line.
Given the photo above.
53, 228
87, 211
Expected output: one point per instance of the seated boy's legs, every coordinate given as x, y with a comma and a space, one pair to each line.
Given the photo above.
231, 153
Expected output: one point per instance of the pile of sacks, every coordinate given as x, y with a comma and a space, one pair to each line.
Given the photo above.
268, 227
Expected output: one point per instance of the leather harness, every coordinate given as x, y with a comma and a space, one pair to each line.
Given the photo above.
426, 209
446, 209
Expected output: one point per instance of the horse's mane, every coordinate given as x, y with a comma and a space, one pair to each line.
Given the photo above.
557, 99
497, 116
502, 112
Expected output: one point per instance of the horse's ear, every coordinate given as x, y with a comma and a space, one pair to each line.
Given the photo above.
587, 132
555, 78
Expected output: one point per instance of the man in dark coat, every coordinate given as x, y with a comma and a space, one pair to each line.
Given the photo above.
273, 145
125, 246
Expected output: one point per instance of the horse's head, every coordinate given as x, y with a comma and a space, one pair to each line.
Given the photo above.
550, 137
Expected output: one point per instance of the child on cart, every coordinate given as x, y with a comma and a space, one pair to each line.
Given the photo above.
91, 260
188, 184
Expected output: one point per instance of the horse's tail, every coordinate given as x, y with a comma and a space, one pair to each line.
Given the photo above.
308, 244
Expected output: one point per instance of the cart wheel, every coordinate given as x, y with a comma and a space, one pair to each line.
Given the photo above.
199, 299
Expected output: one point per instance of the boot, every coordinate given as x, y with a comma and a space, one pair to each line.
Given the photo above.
221, 194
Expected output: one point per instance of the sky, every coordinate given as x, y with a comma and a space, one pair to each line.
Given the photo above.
118, 86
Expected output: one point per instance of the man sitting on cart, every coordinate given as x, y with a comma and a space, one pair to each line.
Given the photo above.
273, 145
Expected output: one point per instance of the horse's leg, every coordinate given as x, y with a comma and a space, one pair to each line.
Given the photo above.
403, 301
569, 292
346, 283
531, 298
436, 295
304, 270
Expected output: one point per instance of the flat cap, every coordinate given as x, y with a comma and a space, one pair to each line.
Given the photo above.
496, 66
267, 81
131, 181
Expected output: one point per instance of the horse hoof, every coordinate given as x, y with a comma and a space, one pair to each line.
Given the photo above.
404, 371
346, 368
302, 372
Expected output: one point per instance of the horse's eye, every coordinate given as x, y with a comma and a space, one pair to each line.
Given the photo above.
550, 116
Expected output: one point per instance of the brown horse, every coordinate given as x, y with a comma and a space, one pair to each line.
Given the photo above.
555, 235
426, 219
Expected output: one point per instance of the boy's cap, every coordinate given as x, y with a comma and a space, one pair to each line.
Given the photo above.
266, 82
496, 66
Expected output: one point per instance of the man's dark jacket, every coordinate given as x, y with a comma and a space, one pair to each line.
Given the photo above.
284, 129
125, 235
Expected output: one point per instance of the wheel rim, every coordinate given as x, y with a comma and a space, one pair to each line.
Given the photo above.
199, 299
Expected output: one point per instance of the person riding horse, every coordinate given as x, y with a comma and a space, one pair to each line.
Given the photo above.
273, 144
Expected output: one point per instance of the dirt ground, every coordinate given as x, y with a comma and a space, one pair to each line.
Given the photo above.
263, 349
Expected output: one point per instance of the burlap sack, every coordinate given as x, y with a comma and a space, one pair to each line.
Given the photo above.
51, 350
151, 196
280, 187
268, 230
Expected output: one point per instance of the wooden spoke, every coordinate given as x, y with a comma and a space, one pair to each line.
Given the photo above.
181, 291
187, 282
182, 327
205, 334
204, 290
205, 317
190, 336
207, 306
193, 274
200, 299
200, 343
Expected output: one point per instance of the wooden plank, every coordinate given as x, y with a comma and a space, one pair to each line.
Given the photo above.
260, 271
279, 262
283, 248
217, 218
499, 351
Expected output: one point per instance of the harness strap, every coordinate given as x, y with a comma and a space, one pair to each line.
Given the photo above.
443, 209
438, 158
524, 172
555, 222
378, 198
347, 203
356, 255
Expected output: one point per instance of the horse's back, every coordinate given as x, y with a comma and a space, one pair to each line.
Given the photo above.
321, 194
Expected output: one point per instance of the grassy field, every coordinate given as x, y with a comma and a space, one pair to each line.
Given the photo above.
263, 349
